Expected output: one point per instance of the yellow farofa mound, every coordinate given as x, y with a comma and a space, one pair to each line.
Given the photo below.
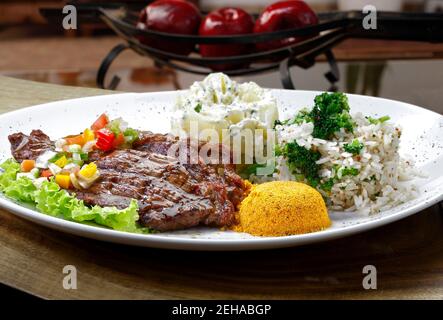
282, 208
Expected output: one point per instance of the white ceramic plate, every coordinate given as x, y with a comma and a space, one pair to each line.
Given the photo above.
422, 139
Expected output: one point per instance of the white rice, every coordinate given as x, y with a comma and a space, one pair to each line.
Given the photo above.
381, 171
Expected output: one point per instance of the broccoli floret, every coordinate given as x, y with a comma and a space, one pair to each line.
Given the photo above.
330, 114
354, 147
301, 160
327, 186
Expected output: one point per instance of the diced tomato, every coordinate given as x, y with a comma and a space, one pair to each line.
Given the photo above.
100, 123
105, 139
119, 140
27, 165
46, 173
79, 139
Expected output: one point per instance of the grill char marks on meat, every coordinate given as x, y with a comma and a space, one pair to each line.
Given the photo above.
159, 143
154, 142
170, 196
29, 147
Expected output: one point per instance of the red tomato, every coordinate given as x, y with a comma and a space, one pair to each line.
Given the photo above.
119, 140
100, 123
46, 173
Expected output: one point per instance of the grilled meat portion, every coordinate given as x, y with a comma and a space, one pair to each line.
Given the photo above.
171, 193
29, 147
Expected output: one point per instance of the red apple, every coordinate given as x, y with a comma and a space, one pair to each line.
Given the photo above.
225, 21
284, 15
171, 16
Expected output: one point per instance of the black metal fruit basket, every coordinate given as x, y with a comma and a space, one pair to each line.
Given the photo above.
333, 28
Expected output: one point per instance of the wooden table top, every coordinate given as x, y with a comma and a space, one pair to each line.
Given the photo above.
408, 254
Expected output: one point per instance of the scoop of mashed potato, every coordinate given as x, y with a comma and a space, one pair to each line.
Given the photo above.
220, 103
282, 208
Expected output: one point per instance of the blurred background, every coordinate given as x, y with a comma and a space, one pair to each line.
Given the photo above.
34, 49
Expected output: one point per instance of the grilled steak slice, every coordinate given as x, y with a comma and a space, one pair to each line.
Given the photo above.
29, 147
170, 195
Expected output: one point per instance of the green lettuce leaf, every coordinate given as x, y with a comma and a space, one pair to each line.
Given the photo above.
10, 169
21, 189
123, 220
52, 200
